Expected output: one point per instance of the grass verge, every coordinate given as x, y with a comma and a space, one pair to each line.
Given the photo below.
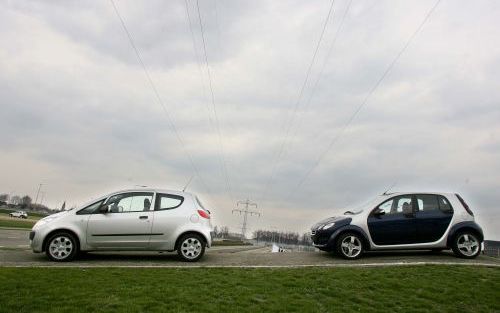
384, 289
17, 223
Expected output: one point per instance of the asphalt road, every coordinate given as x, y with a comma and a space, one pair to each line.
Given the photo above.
14, 251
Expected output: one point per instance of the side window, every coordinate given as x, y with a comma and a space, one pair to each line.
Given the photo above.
396, 205
130, 202
444, 205
386, 206
168, 202
427, 203
403, 205
91, 208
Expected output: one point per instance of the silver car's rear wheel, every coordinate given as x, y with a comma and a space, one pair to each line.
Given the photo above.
191, 247
61, 247
466, 245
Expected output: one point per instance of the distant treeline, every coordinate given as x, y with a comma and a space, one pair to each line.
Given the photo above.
291, 238
22, 203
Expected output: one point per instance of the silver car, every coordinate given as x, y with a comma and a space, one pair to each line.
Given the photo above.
135, 219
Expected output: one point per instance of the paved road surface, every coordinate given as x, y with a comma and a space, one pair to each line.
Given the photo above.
14, 251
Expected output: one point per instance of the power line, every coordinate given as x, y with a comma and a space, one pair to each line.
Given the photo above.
289, 121
364, 102
159, 98
320, 75
198, 62
210, 83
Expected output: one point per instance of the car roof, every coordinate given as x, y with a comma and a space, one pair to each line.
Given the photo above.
398, 193
140, 189
148, 189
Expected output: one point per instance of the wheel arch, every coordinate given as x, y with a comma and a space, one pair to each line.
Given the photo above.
349, 229
464, 226
67, 230
177, 241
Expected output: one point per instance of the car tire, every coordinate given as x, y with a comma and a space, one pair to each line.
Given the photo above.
61, 247
191, 247
350, 246
466, 245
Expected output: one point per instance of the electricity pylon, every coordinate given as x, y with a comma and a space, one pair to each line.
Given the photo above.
245, 213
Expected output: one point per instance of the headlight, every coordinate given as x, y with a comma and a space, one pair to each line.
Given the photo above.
326, 226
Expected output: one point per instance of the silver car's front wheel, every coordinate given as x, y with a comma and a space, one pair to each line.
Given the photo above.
191, 247
61, 247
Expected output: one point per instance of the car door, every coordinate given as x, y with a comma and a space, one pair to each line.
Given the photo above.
125, 223
168, 217
393, 222
433, 216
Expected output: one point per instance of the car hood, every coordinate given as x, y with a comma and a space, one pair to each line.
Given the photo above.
329, 220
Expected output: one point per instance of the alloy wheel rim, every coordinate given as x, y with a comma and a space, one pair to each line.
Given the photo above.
191, 248
467, 244
351, 246
60, 247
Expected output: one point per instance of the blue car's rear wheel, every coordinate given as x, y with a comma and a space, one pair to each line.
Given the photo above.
466, 245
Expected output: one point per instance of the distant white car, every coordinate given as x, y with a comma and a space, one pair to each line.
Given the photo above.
135, 219
19, 214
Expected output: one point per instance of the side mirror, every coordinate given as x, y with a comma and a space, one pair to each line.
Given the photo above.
103, 209
378, 212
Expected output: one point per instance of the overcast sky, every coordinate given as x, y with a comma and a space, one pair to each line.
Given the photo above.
79, 115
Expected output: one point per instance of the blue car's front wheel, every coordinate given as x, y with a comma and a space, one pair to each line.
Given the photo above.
350, 246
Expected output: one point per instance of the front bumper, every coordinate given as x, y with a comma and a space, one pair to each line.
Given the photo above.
320, 238
36, 243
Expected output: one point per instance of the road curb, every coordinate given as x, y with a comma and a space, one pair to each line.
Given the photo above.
331, 265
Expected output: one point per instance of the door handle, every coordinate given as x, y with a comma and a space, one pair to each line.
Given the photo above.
143, 217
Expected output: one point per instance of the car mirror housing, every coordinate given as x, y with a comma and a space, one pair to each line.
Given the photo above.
378, 212
103, 209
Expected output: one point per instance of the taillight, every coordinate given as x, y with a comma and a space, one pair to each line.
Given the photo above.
204, 214
466, 207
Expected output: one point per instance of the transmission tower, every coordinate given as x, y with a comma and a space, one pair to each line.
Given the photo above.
245, 212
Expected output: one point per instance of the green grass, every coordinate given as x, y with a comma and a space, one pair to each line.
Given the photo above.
384, 289
17, 223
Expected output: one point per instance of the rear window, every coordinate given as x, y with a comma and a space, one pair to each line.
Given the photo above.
168, 202
444, 205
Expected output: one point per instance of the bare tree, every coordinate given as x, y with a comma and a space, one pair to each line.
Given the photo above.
4, 197
15, 200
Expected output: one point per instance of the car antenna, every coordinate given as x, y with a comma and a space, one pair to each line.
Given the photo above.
388, 189
189, 181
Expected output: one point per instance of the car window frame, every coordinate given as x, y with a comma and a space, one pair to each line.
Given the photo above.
167, 195
452, 211
427, 194
79, 212
139, 193
410, 195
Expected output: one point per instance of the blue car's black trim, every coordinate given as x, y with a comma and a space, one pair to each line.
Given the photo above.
104, 235
321, 237
463, 226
